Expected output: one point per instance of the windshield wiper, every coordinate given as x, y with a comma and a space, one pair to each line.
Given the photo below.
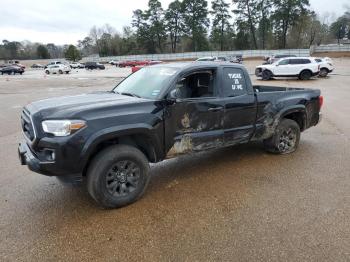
128, 94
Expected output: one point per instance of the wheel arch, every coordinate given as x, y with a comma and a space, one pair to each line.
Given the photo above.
141, 138
298, 114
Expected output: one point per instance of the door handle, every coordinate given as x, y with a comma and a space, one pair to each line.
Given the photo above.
214, 109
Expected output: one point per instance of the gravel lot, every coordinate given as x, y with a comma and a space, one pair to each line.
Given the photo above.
233, 204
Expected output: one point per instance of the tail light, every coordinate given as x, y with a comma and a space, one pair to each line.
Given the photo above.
320, 101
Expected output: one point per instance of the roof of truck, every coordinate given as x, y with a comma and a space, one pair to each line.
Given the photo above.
197, 64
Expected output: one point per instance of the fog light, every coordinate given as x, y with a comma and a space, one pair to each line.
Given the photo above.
49, 154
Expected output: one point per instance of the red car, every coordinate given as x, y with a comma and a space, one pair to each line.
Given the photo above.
138, 67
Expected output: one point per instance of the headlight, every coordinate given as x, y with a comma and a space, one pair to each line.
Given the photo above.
62, 127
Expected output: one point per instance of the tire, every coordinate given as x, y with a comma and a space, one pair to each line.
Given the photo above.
266, 75
285, 139
60, 72
323, 72
67, 72
110, 180
257, 72
305, 75
47, 72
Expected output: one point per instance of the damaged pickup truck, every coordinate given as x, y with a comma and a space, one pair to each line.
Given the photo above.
159, 112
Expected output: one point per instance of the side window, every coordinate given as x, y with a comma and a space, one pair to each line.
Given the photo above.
233, 82
196, 85
284, 62
306, 61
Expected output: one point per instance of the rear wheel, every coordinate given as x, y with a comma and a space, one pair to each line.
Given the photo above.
47, 72
323, 72
266, 75
285, 139
305, 75
60, 71
118, 176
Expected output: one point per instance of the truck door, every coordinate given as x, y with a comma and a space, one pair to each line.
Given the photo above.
195, 121
240, 106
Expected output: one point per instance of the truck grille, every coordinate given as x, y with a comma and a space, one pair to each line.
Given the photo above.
27, 125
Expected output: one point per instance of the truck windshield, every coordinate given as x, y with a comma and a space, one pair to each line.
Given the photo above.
147, 82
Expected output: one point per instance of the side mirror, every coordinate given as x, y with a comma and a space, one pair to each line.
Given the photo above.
174, 94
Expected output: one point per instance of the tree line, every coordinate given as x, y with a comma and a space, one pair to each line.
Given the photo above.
193, 25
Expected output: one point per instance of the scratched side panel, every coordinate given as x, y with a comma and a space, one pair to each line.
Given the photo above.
190, 127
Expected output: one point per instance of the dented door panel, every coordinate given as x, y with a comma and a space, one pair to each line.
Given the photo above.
194, 125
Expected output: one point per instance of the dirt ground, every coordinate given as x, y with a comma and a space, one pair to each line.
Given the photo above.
232, 204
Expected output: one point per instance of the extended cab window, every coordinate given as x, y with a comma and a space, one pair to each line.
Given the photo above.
233, 82
196, 85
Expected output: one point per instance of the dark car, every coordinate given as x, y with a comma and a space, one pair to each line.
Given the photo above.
12, 70
159, 112
37, 66
94, 65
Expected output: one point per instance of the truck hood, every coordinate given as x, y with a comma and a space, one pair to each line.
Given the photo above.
66, 106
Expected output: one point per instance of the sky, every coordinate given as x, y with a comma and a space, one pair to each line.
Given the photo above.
67, 21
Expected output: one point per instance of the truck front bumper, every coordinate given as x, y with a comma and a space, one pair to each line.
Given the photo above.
48, 168
27, 157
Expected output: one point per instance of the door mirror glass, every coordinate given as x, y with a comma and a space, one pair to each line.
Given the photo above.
174, 94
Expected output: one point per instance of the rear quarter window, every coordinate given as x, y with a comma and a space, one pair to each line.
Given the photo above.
234, 83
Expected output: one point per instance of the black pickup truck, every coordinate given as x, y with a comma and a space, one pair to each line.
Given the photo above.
109, 138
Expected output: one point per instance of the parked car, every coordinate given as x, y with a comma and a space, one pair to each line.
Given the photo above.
37, 66
138, 67
129, 63
236, 59
326, 66
53, 63
274, 58
75, 65
207, 58
12, 70
112, 62
302, 67
232, 59
94, 65
57, 69
162, 111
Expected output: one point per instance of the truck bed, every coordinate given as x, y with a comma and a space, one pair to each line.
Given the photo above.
261, 89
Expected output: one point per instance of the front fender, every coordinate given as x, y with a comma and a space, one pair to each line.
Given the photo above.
115, 132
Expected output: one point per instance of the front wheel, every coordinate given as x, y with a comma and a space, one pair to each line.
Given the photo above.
285, 139
266, 75
60, 72
47, 72
118, 176
305, 75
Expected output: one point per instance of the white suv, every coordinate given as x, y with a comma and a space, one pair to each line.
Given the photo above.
57, 69
302, 67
